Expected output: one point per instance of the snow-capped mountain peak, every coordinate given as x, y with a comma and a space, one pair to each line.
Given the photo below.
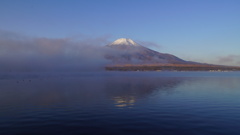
124, 41
126, 50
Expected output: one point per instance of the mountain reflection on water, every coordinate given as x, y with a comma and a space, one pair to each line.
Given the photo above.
126, 91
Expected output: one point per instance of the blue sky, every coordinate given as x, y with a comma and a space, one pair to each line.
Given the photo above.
199, 30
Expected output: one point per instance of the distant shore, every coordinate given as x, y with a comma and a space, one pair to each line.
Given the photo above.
171, 67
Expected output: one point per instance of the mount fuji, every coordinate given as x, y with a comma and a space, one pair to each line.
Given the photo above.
126, 55
127, 51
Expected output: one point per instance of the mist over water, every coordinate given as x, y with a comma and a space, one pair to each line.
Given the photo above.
172, 103
19, 53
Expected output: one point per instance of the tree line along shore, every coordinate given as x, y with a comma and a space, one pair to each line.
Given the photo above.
170, 67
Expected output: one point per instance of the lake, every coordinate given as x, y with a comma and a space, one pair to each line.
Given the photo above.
149, 103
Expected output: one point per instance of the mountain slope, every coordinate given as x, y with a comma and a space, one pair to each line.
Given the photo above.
127, 51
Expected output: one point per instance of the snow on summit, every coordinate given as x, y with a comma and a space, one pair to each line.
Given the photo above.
124, 41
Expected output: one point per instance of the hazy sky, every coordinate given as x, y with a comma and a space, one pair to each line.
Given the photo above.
200, 30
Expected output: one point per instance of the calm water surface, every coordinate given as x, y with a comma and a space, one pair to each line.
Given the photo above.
161, 103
